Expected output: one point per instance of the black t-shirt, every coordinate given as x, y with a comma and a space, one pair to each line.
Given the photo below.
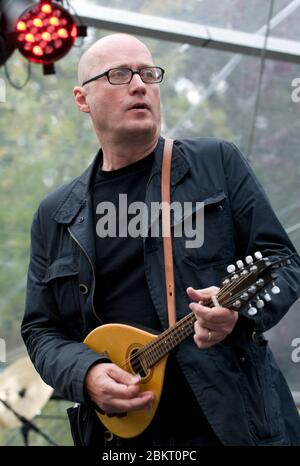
122, 294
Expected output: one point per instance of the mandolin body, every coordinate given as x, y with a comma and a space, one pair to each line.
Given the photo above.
120, 342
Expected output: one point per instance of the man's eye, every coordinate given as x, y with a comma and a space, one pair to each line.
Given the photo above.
150, 74
119, 73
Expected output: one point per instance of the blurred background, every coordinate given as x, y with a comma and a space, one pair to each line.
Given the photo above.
231, 87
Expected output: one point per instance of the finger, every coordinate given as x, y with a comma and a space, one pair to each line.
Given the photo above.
115, 382
202, 344
113, 386
202, 294
123, 377
207, 335
201, 332
213, 315
219, 318
143, 401
204, 337
111, 389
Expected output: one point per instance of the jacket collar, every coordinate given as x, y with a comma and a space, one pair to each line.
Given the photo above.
80, 189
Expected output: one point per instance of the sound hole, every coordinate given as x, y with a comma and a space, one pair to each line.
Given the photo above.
136, 364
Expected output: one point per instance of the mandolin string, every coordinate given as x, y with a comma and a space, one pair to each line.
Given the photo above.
183, 323
190, 319
232, 298
187, 320
149, 348
156, 346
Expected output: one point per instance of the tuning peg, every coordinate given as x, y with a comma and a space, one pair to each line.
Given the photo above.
275, 289
231, 268
237, 304
260, 282
267, 297
252, 310
226, 282
249, 260
258, 255
260, 304
252, 289
240, 264
245, 296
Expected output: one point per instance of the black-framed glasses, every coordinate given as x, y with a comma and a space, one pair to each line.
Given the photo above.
148, 74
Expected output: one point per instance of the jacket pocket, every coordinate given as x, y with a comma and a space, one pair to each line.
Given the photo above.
260, 396
215, 229
62, 277
61, 267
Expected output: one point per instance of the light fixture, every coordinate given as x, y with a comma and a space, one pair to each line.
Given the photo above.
42, 31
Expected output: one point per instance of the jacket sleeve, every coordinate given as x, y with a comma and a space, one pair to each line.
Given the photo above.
61, 361
258, 229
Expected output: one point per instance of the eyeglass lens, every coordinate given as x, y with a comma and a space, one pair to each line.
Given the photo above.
124, 75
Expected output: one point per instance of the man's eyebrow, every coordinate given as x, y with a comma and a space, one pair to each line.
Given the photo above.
126, 65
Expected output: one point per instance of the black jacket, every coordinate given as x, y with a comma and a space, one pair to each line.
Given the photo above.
237, 382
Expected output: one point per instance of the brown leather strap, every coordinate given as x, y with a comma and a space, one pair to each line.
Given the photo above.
166, 230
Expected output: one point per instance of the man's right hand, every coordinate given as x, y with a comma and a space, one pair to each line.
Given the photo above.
115, 390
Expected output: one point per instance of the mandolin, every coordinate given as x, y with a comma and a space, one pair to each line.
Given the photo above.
146, 354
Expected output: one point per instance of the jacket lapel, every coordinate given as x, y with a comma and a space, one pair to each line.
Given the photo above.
76, 210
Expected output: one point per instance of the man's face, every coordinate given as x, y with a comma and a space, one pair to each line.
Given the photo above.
113, 108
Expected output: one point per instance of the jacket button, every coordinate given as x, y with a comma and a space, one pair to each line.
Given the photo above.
81, 219
108, 435
243, 359
83, 288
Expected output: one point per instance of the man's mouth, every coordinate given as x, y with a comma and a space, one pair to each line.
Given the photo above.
139, 106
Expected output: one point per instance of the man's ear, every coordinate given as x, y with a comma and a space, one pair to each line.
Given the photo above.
80, 99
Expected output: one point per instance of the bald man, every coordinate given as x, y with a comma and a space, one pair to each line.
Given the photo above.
126, 133
89, 266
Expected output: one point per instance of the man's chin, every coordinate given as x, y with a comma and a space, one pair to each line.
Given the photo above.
138, 130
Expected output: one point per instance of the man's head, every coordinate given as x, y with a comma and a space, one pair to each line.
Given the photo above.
123, 111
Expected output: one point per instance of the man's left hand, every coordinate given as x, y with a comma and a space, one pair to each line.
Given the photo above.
213, 324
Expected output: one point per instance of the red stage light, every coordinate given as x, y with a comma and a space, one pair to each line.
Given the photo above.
45, 32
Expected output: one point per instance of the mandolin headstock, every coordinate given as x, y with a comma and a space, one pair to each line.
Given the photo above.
249, 283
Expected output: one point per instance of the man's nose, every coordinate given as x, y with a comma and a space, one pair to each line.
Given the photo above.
137, 83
